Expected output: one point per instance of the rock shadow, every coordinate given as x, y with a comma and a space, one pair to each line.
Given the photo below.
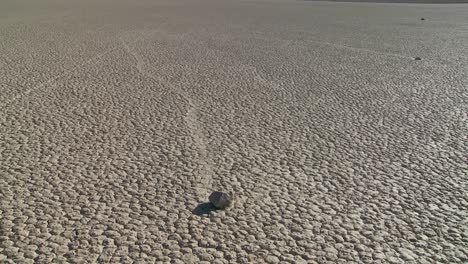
203, 209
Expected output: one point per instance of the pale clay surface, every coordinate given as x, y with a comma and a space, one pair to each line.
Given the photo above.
117, 118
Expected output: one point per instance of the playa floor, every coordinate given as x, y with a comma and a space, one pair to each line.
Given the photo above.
119, 118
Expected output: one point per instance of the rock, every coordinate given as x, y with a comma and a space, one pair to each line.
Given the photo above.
220, 200
422, 18
417, 58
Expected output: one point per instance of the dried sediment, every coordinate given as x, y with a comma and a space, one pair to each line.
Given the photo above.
118, 118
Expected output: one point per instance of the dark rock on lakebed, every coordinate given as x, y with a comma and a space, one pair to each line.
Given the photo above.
221, 200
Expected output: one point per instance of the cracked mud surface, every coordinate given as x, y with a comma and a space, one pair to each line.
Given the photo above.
118, 119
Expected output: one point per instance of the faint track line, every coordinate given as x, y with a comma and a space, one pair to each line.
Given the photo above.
340, 46
52, 81
272, 84
191, 120
447, 42
359, 49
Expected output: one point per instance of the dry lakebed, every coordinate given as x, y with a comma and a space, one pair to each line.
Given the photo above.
338, 129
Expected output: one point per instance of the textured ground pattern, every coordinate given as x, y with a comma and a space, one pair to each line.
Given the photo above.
118, 118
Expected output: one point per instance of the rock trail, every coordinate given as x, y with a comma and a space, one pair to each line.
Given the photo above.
205, 173
52, 81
